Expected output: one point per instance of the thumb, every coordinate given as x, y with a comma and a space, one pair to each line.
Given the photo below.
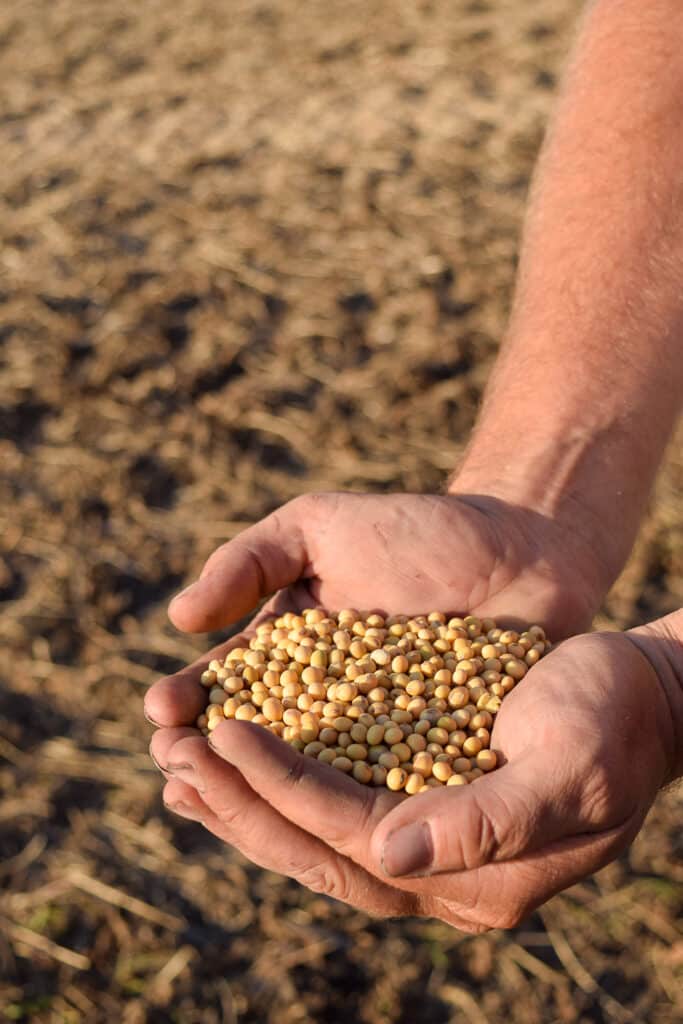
264, 558
517, 809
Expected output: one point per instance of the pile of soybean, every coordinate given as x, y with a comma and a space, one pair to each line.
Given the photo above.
406, 702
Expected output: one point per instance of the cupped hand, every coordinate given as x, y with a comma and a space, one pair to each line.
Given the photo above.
586, 742
402, 553
395, 554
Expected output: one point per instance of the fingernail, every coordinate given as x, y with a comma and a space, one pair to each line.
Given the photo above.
211, 741
151, 721
408, 850
186, 773
155, 762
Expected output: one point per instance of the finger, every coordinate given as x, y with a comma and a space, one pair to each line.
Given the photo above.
264, 558
237, 815
521, 807
498, 895
161, 743
178, 699
185, 801
310, 794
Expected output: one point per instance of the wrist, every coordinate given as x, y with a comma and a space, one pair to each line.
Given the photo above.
662, 644
573, 469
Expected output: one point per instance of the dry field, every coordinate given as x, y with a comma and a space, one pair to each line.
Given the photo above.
250, 249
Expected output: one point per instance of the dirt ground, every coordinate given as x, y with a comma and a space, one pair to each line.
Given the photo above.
251, 249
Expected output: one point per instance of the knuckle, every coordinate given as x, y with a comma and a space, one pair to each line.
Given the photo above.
479, 836
230, 813
299, 506
230, 819
346, 841
300, 510
484, 918
312, 499
313, 506
486, 843
595, 801
328, 878
456, 913
600, 802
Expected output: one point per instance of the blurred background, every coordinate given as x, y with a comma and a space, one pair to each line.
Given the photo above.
251, 249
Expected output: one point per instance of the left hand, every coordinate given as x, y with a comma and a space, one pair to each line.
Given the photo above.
565, 802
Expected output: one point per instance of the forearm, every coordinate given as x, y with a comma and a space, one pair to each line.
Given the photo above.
589, 381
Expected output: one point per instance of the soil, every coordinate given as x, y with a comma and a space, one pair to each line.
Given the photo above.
248, 250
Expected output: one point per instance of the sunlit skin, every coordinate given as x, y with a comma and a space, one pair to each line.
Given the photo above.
402, 553
557, 809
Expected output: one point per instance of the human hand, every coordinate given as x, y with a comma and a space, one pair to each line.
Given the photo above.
473, 554
403, 553
566, 801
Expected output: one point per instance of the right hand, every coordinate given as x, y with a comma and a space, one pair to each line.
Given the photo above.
565, 802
